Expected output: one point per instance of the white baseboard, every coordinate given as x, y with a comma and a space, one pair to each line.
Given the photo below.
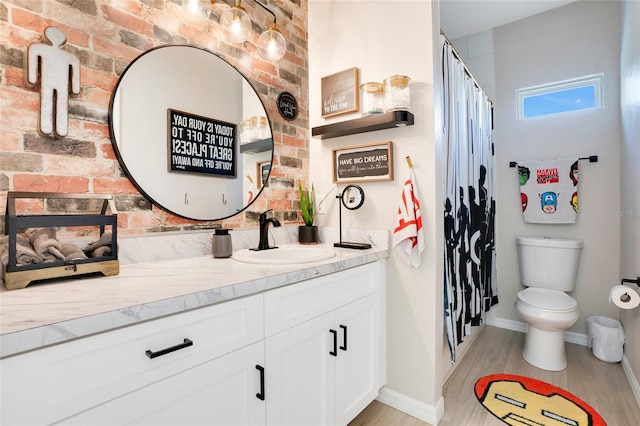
425, 412
631, 378
569, 336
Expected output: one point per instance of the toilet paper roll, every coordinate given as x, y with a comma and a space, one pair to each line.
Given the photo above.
624, 297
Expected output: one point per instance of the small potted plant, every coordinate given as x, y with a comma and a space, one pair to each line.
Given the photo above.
308, 233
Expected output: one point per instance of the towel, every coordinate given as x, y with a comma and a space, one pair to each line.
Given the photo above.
45, 244
25, 254
408, 236
72, 252
549, 190
100, 247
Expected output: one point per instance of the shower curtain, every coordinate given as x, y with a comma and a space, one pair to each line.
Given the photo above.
469, 206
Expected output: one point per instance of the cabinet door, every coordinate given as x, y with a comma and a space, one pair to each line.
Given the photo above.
357, 363
219, 392
300, 375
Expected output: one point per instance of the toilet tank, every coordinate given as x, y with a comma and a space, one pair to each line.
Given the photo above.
548, 262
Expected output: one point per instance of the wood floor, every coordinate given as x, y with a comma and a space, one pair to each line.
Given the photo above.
602, 385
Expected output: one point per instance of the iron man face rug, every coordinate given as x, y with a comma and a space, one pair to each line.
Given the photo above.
518, 401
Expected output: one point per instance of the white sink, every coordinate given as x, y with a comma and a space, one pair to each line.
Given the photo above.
285, 254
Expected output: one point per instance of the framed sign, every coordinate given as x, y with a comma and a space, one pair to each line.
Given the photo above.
339, 92
363, 163
201, 145
262, 172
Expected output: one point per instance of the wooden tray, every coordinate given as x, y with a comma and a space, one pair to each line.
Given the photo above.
16, 277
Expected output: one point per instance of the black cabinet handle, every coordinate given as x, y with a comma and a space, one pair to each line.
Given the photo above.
344, 338
334, 352
260, 395
183, 345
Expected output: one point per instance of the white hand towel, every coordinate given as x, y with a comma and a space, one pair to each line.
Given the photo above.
408, 237
549, 190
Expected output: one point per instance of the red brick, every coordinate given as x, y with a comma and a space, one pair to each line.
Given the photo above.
9, 141
144, 219
108, 47
49, 183
113, 186
96, 78
97, 96
28, 100
14, 77
95, 131
57, 164
29, 206
276, 204
293, 141
27, 20
107, 151
127, 21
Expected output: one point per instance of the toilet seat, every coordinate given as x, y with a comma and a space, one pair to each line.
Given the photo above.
549, 300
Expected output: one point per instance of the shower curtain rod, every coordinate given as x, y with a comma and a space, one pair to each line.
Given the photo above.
466, 70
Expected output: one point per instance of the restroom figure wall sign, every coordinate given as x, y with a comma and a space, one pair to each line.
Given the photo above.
55, 70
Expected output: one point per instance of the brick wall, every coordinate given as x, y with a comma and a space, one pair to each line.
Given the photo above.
105, 35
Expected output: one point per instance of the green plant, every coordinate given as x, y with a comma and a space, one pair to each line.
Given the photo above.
308, 206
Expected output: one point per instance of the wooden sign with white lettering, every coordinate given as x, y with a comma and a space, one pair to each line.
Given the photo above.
201, 145
339, 92
363, 163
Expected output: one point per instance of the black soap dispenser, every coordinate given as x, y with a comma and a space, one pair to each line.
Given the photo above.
221, 244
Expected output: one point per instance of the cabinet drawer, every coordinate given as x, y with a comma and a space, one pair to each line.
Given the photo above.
288, 306
71, 377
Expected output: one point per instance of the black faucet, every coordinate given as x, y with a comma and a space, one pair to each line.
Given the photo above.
264, 230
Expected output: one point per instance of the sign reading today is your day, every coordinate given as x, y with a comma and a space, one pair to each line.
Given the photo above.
201, 145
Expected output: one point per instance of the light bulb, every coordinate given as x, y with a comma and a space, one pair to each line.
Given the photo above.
272, 44
236, 23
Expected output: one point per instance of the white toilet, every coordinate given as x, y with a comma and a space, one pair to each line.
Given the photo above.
548, 268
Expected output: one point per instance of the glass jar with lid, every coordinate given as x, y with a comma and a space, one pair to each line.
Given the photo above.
372, 98
246, 131
260, 127
397, 93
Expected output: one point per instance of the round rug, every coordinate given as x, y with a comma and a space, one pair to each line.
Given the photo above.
518, 400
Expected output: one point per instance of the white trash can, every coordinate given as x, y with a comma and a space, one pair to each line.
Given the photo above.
606, 338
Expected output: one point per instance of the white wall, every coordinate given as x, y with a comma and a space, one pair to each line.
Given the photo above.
630, 172
383, 38
579, 39
476, 51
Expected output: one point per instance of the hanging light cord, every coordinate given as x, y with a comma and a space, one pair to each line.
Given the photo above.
268, 10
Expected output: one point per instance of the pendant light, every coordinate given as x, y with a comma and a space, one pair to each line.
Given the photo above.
272, 44
236, 23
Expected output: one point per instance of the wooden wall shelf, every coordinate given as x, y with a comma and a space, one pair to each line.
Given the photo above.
388, 120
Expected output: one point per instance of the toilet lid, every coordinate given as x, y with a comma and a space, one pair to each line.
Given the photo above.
551, 300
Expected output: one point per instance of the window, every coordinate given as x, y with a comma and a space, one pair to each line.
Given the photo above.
562, 96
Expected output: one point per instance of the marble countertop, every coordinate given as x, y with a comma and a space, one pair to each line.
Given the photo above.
50, 313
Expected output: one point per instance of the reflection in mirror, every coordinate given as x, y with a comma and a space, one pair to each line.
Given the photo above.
175, 119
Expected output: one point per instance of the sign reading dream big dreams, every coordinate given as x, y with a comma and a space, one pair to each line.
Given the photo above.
201, 145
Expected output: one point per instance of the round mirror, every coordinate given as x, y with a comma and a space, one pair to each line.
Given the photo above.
352, 197
190, 132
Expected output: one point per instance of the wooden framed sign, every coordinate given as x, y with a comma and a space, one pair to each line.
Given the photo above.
339, 92
201, 145
262, 172
363, 163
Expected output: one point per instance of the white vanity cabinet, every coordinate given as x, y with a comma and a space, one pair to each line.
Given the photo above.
308, 353
324, 348
110, 378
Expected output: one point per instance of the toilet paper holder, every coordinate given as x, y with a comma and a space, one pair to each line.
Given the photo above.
629, 280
